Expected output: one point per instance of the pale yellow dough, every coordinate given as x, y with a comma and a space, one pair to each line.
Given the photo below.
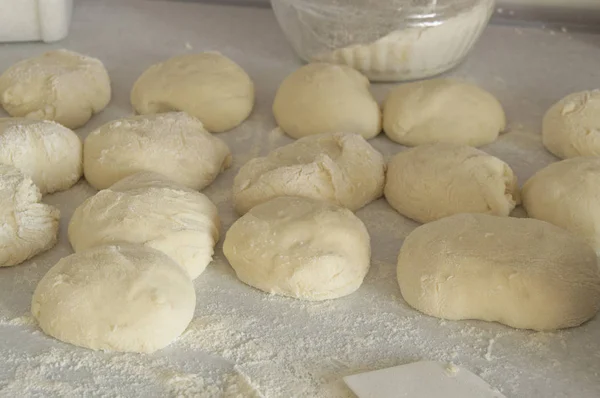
208, 86
524, 273
59, 85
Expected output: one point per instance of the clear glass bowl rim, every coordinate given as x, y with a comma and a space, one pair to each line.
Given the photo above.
405, 8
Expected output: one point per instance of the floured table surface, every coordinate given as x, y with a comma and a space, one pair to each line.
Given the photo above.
245, 343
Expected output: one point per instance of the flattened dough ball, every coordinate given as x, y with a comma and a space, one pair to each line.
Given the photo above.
127, 298
174, 144
59, 85
47, 152
326, 98
208, 86
438, 180
567, 194
150, 210
302, 248
442, 110
523, 273
571, 127
28, 227
342, 169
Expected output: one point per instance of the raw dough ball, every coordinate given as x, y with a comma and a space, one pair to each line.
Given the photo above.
326, 98
567, 194
173, 144
45, 151
126, 298
27, 227
523, 273
298, 247
442, 110
59, 85
571, 127
339, 168
208, 86
438, 180
148, 209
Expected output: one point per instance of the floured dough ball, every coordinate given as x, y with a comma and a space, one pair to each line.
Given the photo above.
47, 152
302, 248
438, 180
326, 98
342, 169
27, 226
208, 86
59, 85
174, 144
127, 298
567, 194
523, 273
442, 110
571, 127
148, 209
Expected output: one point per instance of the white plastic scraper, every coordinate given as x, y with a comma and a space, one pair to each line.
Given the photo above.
421, 380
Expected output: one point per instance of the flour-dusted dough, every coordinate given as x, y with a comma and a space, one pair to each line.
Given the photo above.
148, 209
523, 273
59, 85
326, 98
298, 247
567, 194
438, 180
442, 110
208, 86
47, 152
571, 127
27, 227
126, 298
339, 168
173, 144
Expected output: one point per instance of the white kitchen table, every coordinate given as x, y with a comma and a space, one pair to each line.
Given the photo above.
245, 343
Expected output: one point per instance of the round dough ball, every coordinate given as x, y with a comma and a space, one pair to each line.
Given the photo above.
127, 298
438, 180
59, 85
208, 86
567, 194
442, 110
571, 127
302, 248
326, 98
523, 273
173, 144
29, 227
342, 169
148, 209
45, 151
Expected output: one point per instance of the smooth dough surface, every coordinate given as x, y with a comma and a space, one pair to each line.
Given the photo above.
524, 273
173, 144
127, 298
325, 98
208, 86
59, 85
342, 169
433, 181
150, 210
298, 247
47, 152
567, 194
571, 127
442, 110
27, 226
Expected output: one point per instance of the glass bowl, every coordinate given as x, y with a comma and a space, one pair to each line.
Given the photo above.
389, 40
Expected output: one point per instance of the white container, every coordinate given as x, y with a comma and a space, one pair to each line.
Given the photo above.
34, 20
